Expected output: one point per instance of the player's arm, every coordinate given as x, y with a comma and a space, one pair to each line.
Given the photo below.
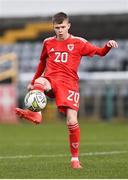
40, 68
90, 50
104, 50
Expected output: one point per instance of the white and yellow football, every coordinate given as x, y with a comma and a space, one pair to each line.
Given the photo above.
35, 100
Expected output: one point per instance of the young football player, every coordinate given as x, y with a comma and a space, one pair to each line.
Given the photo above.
56, 75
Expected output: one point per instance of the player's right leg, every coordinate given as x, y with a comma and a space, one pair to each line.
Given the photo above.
41, 84
34, 117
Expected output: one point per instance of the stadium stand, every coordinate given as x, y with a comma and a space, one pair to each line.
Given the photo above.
30, 52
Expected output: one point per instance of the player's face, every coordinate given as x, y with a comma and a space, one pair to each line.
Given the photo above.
61, 30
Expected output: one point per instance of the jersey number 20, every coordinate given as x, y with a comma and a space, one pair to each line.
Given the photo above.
73, 96
61, 57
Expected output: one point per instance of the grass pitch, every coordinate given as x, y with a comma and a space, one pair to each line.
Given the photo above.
41, 151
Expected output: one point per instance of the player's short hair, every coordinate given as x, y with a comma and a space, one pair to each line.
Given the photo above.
60, 17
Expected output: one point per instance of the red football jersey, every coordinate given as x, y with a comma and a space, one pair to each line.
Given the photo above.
60, 59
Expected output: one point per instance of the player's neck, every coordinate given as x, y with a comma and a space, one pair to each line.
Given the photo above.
63, 38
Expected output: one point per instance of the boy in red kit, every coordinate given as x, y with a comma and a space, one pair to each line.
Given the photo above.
56, 75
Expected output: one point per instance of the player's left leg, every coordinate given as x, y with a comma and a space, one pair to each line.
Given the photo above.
74, 137
67, 100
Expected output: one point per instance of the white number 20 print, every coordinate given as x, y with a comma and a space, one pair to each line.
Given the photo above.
61, 57
73, 96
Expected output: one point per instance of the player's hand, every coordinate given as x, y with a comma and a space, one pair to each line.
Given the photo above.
112, 43
30, 87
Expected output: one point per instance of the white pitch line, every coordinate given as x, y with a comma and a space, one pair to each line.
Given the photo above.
83, 144
62, 155
103, 153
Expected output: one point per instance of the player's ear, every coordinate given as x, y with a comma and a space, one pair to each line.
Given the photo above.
69, 25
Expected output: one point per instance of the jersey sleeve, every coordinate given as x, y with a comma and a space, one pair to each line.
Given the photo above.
42, 63
88, 49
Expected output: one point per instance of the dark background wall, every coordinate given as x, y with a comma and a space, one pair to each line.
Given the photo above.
87, 26
101, 26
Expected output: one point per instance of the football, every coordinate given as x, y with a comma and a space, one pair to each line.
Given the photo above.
35, 100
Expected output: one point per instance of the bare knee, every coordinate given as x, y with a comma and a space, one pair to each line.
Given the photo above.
71, 117
44, 82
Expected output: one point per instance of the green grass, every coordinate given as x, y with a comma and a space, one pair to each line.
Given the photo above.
51, 139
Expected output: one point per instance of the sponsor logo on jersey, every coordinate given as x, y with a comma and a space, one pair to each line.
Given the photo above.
75, 145
70, 47
52, 50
